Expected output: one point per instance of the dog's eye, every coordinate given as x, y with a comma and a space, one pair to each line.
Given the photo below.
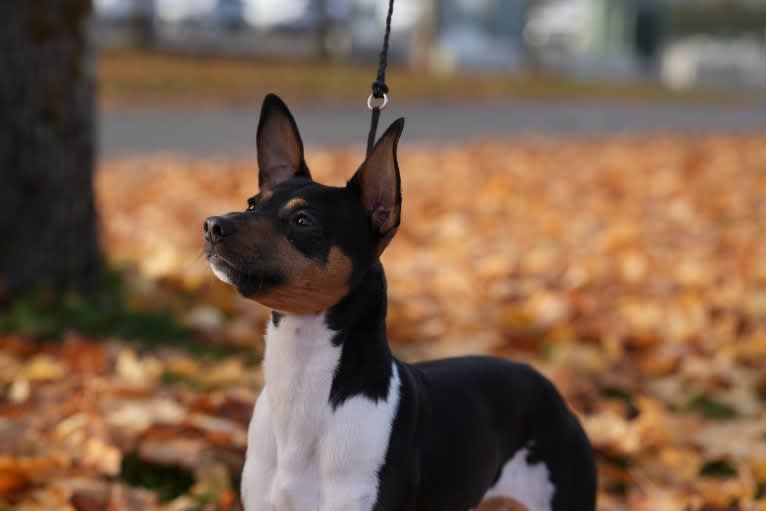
251, 207
303, 220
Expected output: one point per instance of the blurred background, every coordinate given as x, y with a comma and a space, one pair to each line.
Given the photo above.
472, 54
583, 184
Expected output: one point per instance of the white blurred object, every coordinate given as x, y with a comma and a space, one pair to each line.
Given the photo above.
114, 9
558, 25
468, 47
406, 14
369, 20
122, 10
270, 13
178, 11
295, 14
706, 61
477, 35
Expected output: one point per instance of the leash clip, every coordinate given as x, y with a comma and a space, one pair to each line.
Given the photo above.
379, 106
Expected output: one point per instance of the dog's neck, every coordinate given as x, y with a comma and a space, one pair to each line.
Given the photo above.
342, 351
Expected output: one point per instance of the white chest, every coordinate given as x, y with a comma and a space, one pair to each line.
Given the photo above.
303, 455
299, 367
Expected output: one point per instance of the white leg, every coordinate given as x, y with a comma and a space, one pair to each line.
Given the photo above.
299, 366
527, 483
295, 489
354, 449
295, 486
260, 460
349, 466
348, 494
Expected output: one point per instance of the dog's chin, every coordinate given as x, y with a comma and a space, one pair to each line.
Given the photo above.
221, 270
250, 284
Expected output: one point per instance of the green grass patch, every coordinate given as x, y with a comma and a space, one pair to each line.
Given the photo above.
235, 476
617, 393
167, 481
718, 469
104, 311
616, 460
174, 378
101, 311
623, 462
711, 408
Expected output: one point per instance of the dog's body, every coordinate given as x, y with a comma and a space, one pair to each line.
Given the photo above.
341, 425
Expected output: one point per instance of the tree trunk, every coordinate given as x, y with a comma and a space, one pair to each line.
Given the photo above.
47, 216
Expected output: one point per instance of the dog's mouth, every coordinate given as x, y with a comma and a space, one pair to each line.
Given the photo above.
250, 283
224, 270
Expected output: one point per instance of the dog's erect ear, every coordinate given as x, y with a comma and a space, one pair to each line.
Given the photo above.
378, 184
280, 149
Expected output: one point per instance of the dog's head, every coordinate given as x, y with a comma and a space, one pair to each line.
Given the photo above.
300, 246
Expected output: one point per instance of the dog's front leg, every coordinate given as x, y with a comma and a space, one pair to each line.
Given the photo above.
296, 483
295, 486
352, 452
348, 492
260, 460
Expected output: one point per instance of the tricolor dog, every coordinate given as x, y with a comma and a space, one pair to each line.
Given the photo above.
341, 424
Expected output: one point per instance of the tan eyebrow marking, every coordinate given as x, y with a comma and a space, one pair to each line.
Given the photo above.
295, 203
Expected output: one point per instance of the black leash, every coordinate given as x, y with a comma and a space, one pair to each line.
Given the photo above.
379, 88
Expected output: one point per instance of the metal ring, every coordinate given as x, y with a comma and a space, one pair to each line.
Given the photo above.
382, 105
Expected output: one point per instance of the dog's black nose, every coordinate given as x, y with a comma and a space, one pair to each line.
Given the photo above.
218, 227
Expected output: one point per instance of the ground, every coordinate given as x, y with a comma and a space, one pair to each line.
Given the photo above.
631, 271
130, 78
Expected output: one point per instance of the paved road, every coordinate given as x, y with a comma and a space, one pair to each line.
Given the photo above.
231, 131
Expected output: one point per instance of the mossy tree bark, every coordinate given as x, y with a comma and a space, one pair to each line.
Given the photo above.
48, 228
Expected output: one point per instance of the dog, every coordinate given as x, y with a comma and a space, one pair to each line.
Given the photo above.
341, 424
